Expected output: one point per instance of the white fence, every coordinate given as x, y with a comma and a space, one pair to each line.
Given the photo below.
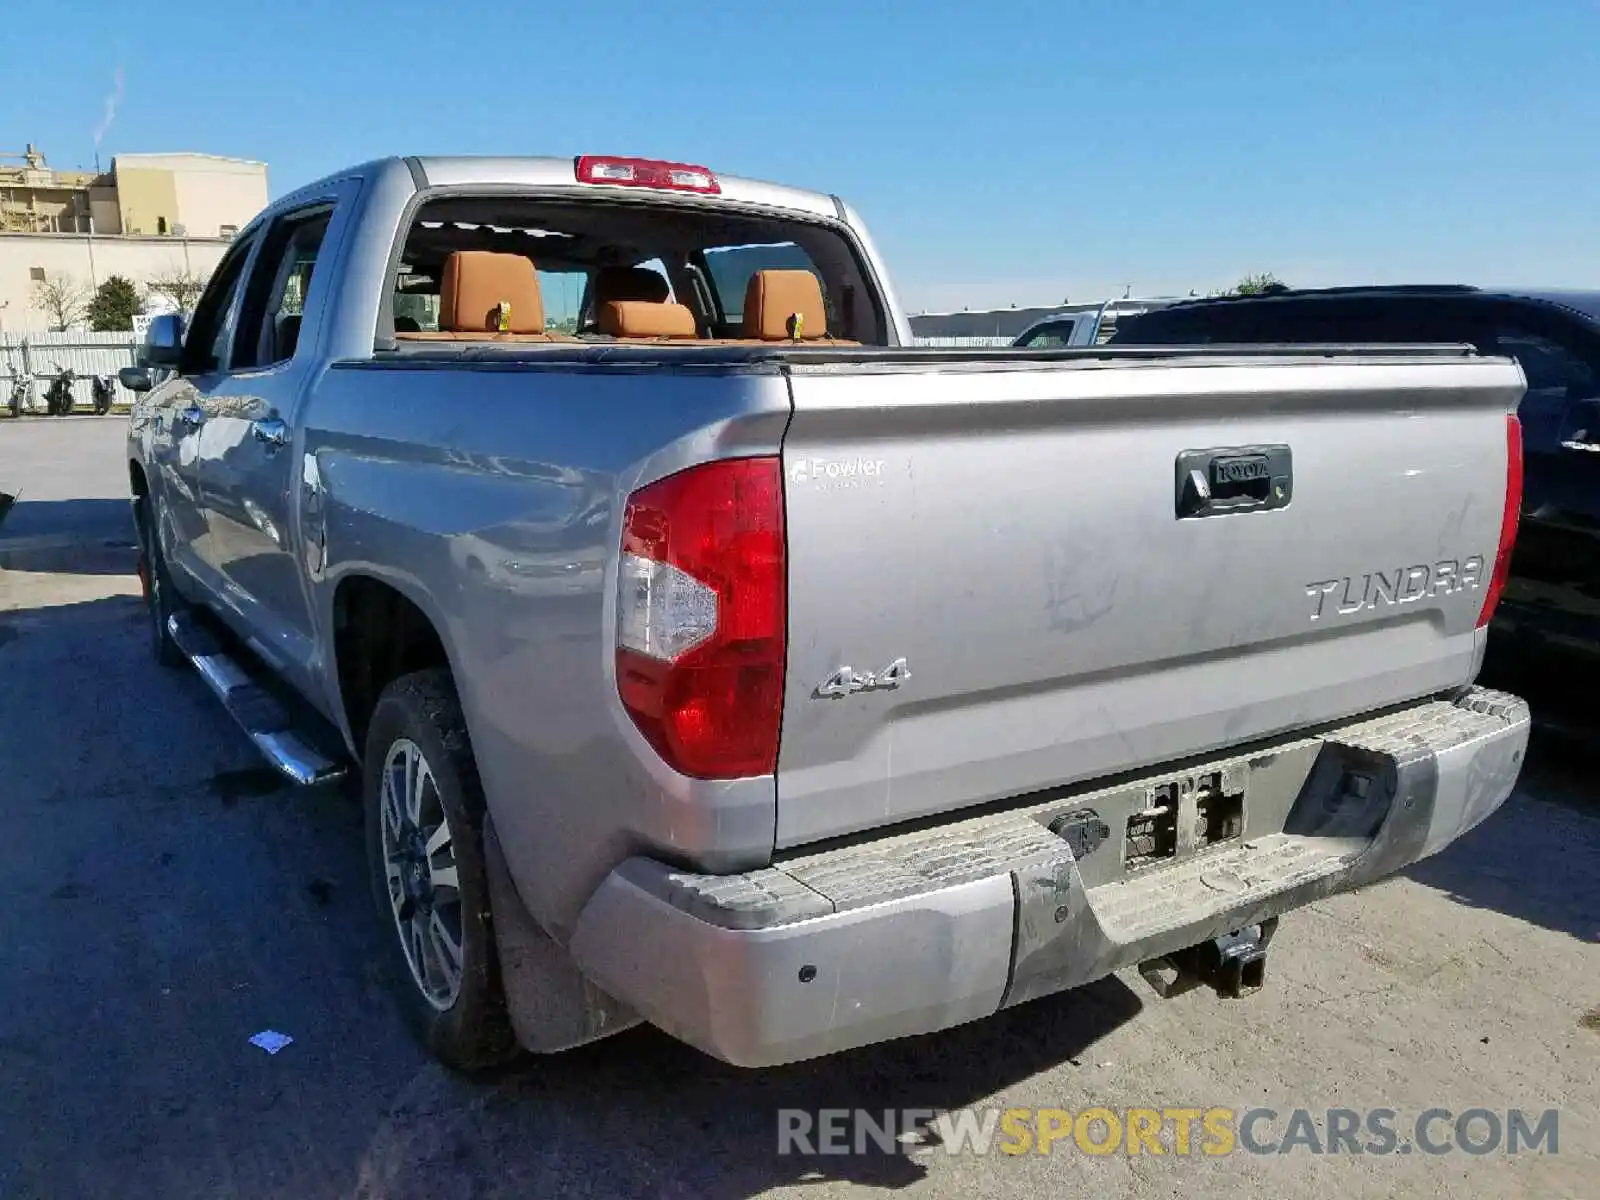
956, 343
43, 355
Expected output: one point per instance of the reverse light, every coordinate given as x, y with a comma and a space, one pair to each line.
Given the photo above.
648, 173
702, 615
1508, 520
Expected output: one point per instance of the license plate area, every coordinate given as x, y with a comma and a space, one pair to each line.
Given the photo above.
1184, 814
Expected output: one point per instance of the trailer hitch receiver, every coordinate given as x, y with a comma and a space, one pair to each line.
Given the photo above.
1235, 964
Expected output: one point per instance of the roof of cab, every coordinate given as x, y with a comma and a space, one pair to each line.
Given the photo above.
466, 170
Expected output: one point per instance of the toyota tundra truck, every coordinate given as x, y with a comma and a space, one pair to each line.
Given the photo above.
710, 657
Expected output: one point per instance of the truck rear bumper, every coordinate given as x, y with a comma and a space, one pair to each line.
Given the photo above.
921, 931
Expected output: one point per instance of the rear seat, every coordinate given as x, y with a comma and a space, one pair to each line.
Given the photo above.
481, 286
779, 306
488, 297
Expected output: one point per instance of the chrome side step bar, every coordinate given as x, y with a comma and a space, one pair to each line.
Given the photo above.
264, 720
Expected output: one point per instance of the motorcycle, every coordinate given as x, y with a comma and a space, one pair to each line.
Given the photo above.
58, 398
23, 398
104, 393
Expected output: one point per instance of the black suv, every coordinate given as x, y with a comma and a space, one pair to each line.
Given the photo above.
1553, 597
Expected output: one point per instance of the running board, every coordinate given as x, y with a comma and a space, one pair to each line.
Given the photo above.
265, 720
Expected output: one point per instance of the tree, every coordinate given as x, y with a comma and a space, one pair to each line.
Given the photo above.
62, 298
115, 304
182, 288
1257, 285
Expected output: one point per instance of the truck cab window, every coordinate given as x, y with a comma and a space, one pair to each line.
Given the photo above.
275, 302
206, 344
604, 270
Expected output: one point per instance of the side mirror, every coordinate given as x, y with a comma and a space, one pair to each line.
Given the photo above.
163, 342
136, 379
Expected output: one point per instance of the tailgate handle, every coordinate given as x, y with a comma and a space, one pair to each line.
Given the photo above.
1233, 479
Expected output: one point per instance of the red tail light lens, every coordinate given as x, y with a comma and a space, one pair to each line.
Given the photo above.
1508, 520
701, 617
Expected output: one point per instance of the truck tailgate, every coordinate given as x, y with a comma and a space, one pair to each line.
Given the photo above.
1003, 577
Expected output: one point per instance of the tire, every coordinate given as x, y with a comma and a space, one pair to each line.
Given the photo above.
160, 597
461, 1016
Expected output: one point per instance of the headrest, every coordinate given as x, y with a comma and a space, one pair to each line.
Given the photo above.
640, 318
478, 282
784, 305
629, 283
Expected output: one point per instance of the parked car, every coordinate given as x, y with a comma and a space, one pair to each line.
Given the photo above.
1552, 599
1088, 325
736, 668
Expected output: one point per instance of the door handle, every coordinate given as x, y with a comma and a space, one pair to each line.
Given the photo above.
1583, 447
271, 431
190, 417
1234, 479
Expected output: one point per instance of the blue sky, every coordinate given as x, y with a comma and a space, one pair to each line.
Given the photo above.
1065, 149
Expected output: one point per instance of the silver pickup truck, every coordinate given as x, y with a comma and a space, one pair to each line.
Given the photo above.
710, 658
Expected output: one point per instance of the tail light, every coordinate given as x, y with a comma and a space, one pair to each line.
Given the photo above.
1508, 520
701, 617
647, 172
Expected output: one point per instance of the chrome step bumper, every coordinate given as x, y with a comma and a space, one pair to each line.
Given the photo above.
920, 931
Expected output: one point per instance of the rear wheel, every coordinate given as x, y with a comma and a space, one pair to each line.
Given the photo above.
160, 598
425, 810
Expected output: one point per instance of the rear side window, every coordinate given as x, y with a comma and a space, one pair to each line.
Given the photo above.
206, 343
269, 323
730, 268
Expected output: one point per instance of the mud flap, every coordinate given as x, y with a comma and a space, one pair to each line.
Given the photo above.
553, 1006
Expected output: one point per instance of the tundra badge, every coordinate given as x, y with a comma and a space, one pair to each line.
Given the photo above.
1403, 585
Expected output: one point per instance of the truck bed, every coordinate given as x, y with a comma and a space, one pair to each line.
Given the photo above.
1005, 525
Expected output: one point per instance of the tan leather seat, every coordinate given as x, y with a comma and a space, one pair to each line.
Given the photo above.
786, 306
478, 284
646, 319
486, 295
629, 283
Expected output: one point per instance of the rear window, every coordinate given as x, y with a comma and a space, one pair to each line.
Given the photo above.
584, 248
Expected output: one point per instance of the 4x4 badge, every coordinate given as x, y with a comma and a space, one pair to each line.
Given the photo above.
847, 681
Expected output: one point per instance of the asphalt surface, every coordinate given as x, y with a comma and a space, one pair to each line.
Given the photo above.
166, 899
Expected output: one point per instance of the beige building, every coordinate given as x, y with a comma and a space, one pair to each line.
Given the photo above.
152, 216
194, 195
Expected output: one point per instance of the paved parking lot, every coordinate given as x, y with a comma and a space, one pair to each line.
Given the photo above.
166, 900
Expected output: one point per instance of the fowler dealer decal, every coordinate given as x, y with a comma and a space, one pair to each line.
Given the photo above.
837, 472
1402, 585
